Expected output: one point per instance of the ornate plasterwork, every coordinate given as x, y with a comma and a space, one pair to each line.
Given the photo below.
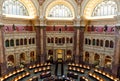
90, 7
30, 7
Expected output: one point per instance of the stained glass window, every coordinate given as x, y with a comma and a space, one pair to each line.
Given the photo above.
14, 7
106, 8
60, 11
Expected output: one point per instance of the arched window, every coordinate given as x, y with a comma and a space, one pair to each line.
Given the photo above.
25, 41
106, 8
60, 11
21, 41
56, 40
7, 43
106, 43
89, 41
63, 40
48, 40
85, 40
101, 42
17, 42
71, 40
67, 40
97, 42
111, 44
11, 42
33, 40
93, 43
30, 41
52, 40
14, 7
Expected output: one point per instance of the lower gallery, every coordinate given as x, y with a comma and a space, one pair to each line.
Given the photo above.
59, 40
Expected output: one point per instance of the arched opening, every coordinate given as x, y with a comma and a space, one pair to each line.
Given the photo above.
60, 40
10, 61
30, 41
71, 40
85, 40
108, 62
67, 40
89, 42
60, 30
69, 55
11, 42
32, 56
101, 42
111, 44
19, 9
33, 40
48, 40
21, 41
60, 10
87, 57
106, 43
63, 40
97, 43
25, 41
50, 56
52, 40
17, 42
14, 7
56, 40
22, 58
93, 43
96, 59
7, 43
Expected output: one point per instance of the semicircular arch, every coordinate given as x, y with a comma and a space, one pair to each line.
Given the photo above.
29, 6
50, 5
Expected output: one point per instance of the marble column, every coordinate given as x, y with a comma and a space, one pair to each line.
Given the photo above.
116, 56
3, 63
42, 44
77, 44
38, 41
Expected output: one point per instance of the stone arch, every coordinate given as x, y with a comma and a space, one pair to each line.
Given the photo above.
96, 59
10, 61
22, 58
87, 55
32, 56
